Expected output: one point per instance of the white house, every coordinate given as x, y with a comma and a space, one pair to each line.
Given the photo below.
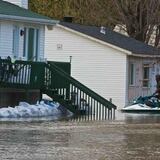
113, 65
22, 35
21, 3
22, 32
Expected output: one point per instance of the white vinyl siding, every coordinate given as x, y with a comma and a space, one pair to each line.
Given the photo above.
6, 33
21, 3
24, 3
99, 67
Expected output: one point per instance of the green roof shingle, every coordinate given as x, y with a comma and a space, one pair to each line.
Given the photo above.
11, 11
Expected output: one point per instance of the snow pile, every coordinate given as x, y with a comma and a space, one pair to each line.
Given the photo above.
136, 107
139, 107
25, 110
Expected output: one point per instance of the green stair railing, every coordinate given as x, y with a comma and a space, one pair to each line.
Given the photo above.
76, 96
21, 74
52, 80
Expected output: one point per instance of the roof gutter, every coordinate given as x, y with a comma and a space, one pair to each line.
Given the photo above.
95, 39
28, 19
145, 55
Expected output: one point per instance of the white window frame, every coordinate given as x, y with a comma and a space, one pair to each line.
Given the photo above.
25, 43
25, 47
145, 79
15, 42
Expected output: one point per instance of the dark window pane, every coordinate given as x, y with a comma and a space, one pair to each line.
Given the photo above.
146, 75
131, 74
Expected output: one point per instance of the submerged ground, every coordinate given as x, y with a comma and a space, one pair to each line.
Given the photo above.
128, 137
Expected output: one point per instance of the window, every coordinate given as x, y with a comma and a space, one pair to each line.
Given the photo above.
15, 45
132, 74
146, 75
31, 44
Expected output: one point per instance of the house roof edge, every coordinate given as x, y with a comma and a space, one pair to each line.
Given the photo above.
95, 39
29, 20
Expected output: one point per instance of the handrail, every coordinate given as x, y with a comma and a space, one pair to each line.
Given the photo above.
51, 79
82, 87
20, 74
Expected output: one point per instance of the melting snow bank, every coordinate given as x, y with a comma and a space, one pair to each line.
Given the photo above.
43, 108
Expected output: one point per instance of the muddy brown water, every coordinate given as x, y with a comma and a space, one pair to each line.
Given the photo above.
128, 137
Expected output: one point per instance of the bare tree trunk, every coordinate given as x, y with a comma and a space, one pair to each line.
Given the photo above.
140, 17
157, 39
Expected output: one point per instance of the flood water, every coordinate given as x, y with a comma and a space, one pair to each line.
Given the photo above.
128, 137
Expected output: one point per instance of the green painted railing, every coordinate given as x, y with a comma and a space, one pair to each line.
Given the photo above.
21, 74
81, 97
54, 79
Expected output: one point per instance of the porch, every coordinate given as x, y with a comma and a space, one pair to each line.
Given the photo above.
53, 79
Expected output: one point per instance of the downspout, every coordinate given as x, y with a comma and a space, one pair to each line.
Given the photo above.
127, 80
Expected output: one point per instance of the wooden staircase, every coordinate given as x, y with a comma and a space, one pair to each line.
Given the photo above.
52, 79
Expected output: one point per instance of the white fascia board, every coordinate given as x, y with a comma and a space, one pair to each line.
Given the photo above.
145, 55
28, 19
95, 39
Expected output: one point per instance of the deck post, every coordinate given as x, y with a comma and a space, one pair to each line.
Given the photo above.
40, 95
27, 95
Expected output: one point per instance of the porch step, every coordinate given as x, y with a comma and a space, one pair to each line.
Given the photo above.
64, 102
58, 96
51, 91
68, 101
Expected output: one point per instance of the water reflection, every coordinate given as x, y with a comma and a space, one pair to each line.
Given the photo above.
141, 118
129, 136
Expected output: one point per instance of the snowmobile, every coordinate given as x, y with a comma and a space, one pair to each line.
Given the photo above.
146, 104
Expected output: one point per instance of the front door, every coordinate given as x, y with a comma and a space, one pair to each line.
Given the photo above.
31, 44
